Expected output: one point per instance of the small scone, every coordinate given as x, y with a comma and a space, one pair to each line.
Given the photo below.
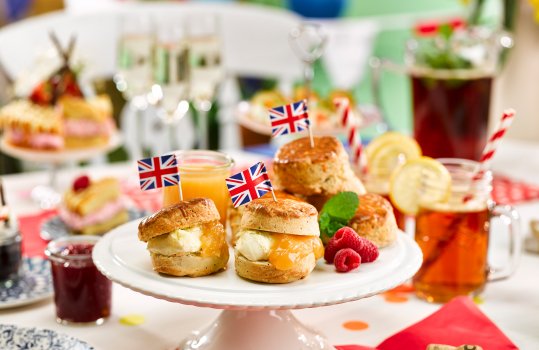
279, 242
186, 239
322, 169
235, 214
374, 220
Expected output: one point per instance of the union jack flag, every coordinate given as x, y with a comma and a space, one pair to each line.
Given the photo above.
249, 184
289, 119
158, 172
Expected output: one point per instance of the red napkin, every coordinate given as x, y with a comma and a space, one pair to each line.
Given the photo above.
456, 323
30, 226
508, 191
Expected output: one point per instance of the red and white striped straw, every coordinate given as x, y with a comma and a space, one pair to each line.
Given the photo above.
494, 140
351, 127
490, 148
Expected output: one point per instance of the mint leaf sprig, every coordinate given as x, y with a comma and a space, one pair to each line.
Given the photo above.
337, 212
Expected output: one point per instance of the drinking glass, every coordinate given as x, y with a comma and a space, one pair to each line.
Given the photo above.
454, 236
202, 174
134, 76
81, 293
451, 83
205, 68
170, 74
10, 252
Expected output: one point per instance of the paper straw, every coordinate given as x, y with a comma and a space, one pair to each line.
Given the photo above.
352, 133
490, 149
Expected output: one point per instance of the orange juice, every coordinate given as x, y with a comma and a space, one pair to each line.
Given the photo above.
202, 174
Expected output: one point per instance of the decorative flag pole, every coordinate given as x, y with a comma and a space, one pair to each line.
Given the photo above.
249, 184
289, 119
352, 133
490, 148
161, 171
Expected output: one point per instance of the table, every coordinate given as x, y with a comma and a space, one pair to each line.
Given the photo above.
511, 304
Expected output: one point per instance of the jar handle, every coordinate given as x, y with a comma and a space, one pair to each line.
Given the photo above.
511, 219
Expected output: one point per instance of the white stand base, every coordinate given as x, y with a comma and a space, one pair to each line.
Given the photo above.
260, 330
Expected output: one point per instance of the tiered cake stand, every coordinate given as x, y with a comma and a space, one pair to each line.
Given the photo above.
256, 316
47, 195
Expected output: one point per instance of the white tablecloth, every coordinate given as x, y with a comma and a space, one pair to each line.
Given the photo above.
512, 304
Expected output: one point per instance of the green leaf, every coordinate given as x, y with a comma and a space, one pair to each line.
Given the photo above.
342, 206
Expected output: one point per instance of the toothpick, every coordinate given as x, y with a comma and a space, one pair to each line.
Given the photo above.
180, 190
306, 102
179, 177
273, 194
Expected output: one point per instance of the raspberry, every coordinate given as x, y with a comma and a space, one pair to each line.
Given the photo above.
81, 183
348, 238
347, 260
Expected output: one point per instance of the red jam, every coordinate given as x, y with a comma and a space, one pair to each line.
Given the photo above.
81, 293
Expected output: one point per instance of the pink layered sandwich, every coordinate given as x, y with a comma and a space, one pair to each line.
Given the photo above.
93, 207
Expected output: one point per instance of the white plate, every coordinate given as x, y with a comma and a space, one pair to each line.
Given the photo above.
34, 284
243, 110
124, 259
62, 156
17, 338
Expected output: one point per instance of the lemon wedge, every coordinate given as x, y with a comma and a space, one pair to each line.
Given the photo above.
423, 180
388, 151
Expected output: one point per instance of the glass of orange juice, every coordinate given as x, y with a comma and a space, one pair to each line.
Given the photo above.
202, 174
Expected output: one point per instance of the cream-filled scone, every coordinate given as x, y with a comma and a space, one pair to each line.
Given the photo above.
186, 239
278, 242
93, 207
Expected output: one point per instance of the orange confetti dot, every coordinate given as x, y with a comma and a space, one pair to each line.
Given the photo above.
355, 325
395, 298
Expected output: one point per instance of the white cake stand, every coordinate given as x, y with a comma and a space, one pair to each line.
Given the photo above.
46, 195
256, 315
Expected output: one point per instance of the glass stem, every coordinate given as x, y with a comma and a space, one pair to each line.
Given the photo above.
202, 128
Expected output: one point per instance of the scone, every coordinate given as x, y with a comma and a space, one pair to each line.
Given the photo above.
87, 122
235, 214
186, 239
279, 242
32, 126
323, 169
93, 207
374, 220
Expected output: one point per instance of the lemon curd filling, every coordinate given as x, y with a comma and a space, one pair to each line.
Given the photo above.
283, 251
207, 240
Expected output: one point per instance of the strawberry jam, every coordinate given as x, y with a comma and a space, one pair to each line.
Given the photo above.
81, 293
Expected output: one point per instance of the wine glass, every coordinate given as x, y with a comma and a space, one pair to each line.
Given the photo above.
205, 68
169, 92
134, 76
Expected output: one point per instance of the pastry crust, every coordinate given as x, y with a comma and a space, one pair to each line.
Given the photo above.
322, 169
235, 214
105, 226
263, 271
284, 216
92, 198
190, 264
374, 220
182, 215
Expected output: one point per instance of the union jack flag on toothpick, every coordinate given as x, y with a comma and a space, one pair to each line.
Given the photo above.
289, 119
155, 172
249, 184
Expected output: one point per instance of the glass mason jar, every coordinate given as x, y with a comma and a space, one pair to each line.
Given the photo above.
454, 236
202, 174
10, 254
82, 294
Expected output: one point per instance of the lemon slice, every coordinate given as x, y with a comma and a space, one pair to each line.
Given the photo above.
387, 152
422, 180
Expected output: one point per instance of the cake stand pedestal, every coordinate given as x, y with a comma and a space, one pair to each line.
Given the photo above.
47, 195
256, 315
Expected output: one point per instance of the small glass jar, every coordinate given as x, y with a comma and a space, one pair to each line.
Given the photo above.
81, 293
202, 174
10, 253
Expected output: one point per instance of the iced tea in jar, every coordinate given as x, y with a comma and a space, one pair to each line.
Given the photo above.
454, 236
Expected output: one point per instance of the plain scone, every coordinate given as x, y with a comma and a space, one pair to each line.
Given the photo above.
186, 214
374, 220
325, 169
